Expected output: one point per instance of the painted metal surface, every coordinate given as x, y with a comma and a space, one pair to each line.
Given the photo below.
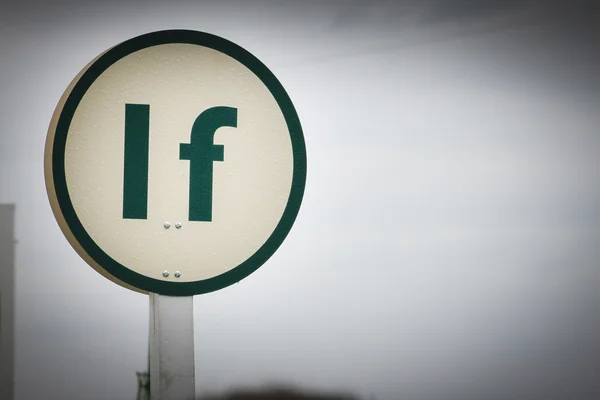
175, 126
171, 348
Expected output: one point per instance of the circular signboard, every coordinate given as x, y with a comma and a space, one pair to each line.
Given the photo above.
175, 163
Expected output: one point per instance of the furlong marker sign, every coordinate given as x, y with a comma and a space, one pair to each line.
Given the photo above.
175, 163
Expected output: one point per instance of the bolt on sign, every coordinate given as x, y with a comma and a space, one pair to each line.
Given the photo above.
175, 163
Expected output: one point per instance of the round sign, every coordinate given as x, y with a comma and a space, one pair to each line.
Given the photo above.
175, 163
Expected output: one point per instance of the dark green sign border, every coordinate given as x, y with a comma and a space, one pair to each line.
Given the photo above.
120, 271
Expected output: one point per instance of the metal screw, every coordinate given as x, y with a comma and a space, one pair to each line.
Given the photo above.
177, 274
178, 225
167, 225
165, 273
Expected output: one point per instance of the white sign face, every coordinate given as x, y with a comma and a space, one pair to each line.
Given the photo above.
175, 163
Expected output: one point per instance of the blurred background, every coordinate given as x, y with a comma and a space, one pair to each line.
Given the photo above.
448, 245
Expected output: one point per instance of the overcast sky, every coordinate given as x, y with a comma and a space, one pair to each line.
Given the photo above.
448, 245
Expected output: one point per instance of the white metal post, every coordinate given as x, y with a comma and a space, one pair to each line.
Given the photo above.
171, 348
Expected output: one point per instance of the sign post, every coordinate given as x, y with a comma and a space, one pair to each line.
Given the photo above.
171, 347
175, 165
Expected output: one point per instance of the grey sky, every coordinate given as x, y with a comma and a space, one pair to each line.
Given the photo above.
448, 243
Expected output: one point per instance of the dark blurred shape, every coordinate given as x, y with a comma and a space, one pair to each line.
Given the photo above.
143, 386
7, 300
277, 393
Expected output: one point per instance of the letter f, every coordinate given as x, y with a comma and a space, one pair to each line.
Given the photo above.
201, 152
